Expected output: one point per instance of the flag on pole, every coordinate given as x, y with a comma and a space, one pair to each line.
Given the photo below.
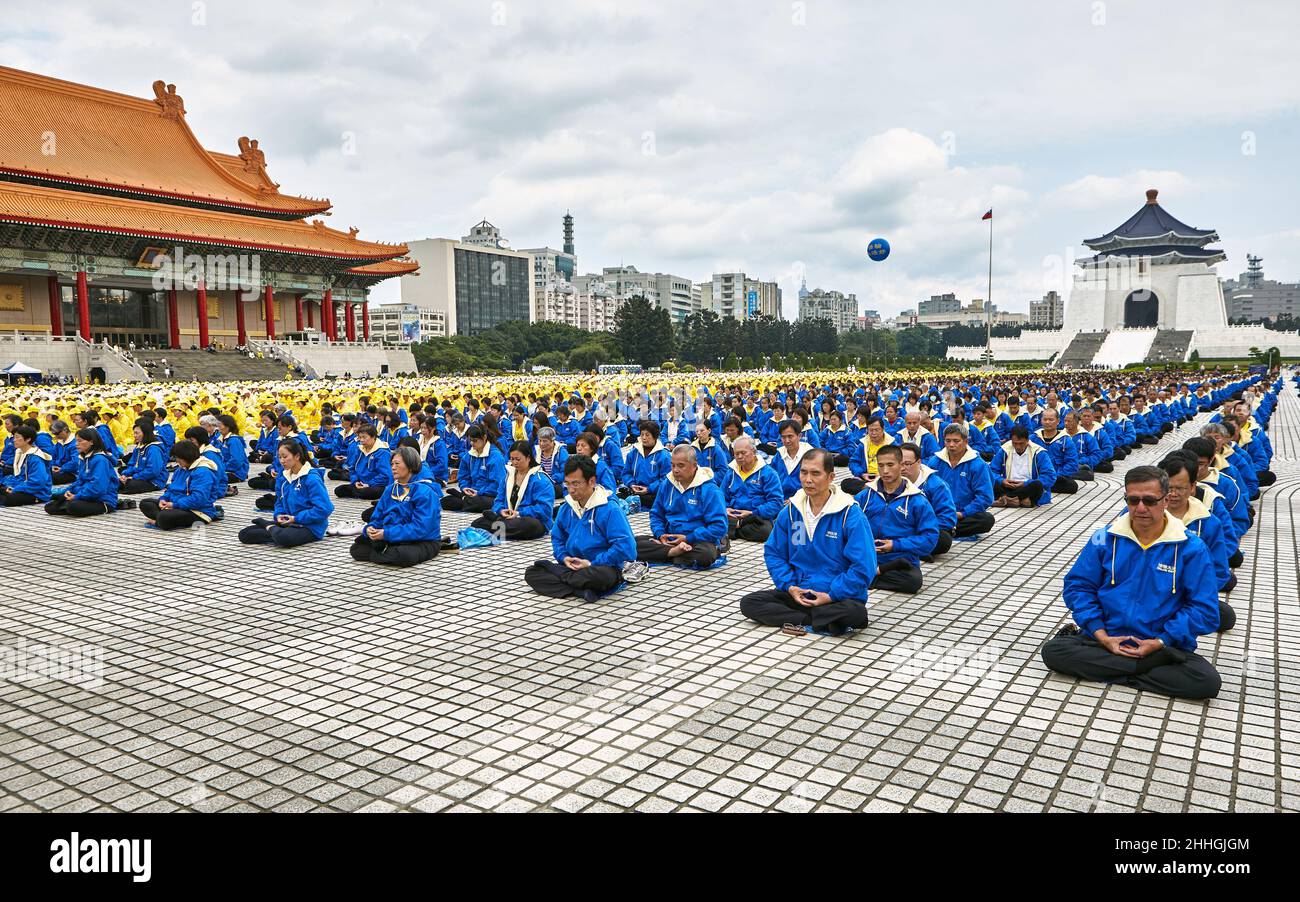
988, 215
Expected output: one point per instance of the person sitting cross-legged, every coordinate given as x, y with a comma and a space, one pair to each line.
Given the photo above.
1091, 453
1140, 592
689, 517
936, 492
302, 503
969, 480
405, 528
1063, 450
30, 481
525, 500
647, 465
370, 474
1200, 521
753, 493
591, 539
820, 556
191, 492
1023, 474
902, 522
482, 468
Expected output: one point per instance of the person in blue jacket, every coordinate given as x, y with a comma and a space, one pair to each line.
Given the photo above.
329, 440
752, 492
164, 430
190, 496
268, 437
610, 449
589, 444
688, 522
1023, 474
591, 540
550, 455
234, 452
968, 479
567, 427
525, 500
12, 421
838, 438
405, 528
433, 451
302, 503
903, 525
936, 492
481, 471
821, 557
982, 436
1183, 504
63, 459
94, 491
146, 467
647, 466
1063, 450
710, 453
370, 475
30, 481
1085, 445
1140, 592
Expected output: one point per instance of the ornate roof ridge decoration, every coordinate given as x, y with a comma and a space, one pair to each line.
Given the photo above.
132, 145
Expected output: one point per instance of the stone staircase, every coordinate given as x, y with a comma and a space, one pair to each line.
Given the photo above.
1081, 349
223, 366
1170, 346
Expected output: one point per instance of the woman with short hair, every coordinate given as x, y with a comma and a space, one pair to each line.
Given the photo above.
550, 455
405, 527
234, 452
94, 491
482, 470
63, 459
190, 496
30, 482
146, 468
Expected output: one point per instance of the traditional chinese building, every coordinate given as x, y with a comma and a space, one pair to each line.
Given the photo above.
117, 225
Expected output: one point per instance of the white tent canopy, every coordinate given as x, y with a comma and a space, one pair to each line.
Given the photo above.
18, 368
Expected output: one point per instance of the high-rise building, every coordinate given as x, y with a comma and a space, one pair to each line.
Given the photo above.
550, 265
841, 309
739, 296
1253, 297
476, 283
1049, 312
939, 303
664, 290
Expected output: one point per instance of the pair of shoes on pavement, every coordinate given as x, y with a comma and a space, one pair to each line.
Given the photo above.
345, 528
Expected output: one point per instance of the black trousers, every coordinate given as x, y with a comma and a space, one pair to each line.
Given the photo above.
775, 608
768, 448
265, 532
456, 500
63, 477
1065, 485
1105, 466
77, 507
647, 499
18, 499
137, 487
1267, 478
988, 455
1169, 671
649, 549
853, 484
898, 576
1147, 439
337, 474
520, 527
944, 544
263, 483
1227, 616
555, 580
1031, 490
171, 518
751, 528
369, 493
974, 524
396, 554
841, 460
1083, 474
1236, 560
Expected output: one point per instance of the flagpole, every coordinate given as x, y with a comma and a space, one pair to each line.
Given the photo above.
988, 313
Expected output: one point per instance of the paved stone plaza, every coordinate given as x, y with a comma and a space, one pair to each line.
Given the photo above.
250, 679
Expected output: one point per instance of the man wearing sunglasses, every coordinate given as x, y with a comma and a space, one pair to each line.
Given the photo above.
1141, 591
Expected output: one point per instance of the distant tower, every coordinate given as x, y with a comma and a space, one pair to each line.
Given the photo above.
568, 232
803, 287
1254, 270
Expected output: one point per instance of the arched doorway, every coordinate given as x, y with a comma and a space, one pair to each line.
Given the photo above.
1141, 310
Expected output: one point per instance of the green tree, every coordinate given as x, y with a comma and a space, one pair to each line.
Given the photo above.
554, 359
644, 334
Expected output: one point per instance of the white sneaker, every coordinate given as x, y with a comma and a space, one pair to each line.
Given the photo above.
345, 528
635, 571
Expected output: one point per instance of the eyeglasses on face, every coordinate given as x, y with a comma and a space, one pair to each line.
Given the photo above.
1144, 500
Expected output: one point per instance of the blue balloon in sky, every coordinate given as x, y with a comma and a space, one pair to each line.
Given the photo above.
878, 249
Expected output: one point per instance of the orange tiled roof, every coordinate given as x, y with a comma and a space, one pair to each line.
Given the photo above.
39, 205
84, 136
399, 266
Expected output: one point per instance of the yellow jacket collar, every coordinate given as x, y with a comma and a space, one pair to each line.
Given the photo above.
759, 464
702, 475
204, 463
598, 497
1174, 530
968, 456
1196, 510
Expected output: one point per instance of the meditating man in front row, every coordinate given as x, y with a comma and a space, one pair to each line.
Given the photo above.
1141, 591
820, 556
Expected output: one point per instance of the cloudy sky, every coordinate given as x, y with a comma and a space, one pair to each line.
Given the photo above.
769, 136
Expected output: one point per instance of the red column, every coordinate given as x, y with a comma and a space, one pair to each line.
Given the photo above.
173, 320
348, 321
56, 306
297, 309
239, 317
365, 320
83, 305
327, 321
202, 296
269, 299
310, 319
